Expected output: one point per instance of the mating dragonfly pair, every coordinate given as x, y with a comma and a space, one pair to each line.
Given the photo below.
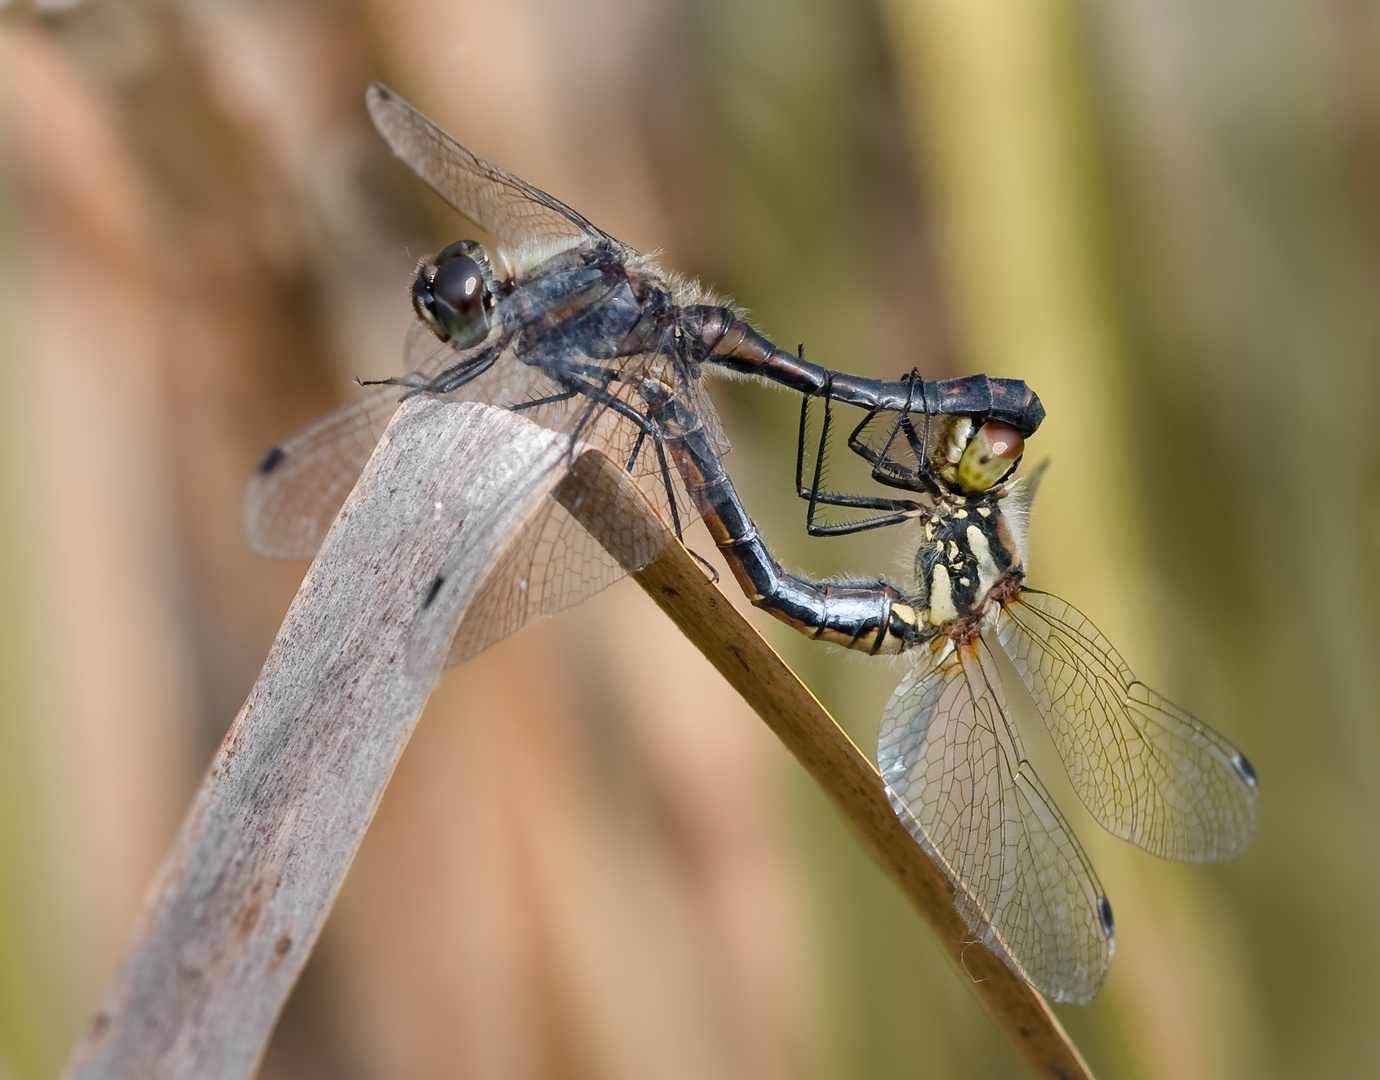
582, 334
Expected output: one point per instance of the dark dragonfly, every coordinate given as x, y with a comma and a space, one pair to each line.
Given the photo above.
582, 334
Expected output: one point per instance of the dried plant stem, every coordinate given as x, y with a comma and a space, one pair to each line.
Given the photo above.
597, 491
244, 892
242, 896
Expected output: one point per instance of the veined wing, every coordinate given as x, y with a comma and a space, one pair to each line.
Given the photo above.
291, 501
531, 390
553, 563
1148, 771
494, 199
301, 484
959, 781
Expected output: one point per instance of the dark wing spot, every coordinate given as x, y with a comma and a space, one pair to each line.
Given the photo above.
1104, 916
433, 592
272, 460
1244, 769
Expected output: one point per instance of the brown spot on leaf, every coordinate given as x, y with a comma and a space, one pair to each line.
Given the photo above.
250, 917
281, 948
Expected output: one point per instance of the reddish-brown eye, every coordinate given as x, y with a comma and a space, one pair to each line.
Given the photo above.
990, 456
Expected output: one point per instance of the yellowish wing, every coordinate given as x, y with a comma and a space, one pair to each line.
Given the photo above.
959, 781
1148, 771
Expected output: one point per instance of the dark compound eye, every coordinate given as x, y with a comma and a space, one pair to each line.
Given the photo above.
453, 298
460, 283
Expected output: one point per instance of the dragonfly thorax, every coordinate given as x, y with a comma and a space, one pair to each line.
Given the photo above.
971, 547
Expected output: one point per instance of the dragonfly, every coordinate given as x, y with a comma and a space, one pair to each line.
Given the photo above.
579, 332
954, 762
558, 320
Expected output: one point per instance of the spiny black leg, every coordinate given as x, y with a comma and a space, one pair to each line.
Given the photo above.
919, 446
900, 509
637, 449
819, 458
848, 528
451, 379
800, 447
647, 427
896, 428
550, 399
819, 449
800, 437
865, 502
670, 490
459, 374
713, 573
595, 394
856, 444
413, 387
599, 395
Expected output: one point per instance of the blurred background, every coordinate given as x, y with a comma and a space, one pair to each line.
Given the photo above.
594, 861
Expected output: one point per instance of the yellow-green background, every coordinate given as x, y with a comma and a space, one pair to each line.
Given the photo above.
1163, 215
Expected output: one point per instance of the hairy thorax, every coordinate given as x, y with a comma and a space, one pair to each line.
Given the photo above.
971, 558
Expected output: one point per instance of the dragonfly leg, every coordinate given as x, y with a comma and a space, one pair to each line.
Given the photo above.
898, 509
457, 375
599, 396
637, 449
550, 399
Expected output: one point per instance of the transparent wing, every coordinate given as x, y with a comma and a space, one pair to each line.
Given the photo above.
494, 199
959, 781
553, 563
533, 391
1148, 771
301, 483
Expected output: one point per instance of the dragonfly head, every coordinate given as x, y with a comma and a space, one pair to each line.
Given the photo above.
453, 294
974, 532
972, 460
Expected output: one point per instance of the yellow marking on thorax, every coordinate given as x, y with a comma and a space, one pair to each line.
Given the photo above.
982, 552
942, 608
